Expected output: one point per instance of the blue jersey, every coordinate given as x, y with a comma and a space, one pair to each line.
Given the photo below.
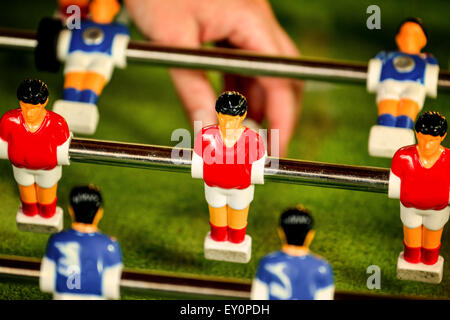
81, 260
290, 277
401, 66
95, 37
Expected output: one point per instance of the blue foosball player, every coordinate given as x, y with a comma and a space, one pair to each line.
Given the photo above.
401, 80
82, 263
90, 52
294, 273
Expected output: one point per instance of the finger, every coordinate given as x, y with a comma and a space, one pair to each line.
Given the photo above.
253, 92
281, 95
177, 27
288, 48
281, 113
193, 87
196, 94
261, 32
256, 97
247, 86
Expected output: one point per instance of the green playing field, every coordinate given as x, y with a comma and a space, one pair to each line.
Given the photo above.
161, 218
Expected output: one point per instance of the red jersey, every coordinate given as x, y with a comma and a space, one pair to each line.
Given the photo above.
420, 187
228, 167
33, 150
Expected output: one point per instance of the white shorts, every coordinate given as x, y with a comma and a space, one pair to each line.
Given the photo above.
237, 199
43, 178
432, 219
94, 62
396, 90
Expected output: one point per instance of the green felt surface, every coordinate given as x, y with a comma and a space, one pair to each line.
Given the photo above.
161, 218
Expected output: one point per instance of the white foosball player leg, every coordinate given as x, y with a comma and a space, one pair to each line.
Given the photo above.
419, 271
385, 141
228, 251
39, 224
81, 117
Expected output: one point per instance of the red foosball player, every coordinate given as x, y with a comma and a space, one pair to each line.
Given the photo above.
36, 142
65, 7
230, 158
420, 178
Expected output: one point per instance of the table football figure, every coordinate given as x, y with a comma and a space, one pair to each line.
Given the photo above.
401, 79
420, 178
36, 142
81, 263
230, 158
90, 54
294, 273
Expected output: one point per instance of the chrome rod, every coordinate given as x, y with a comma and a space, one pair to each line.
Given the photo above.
17, 267
228, 60
277, 170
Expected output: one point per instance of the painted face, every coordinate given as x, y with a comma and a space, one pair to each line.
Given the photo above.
428, 144
411, 38
104, 11
230, 122
32, 112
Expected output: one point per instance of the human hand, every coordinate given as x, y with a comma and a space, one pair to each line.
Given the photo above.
244, 24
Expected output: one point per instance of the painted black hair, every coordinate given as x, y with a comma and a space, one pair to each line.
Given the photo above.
432, 123
415, 20
85, 202
231, 103
32, 91
296, 223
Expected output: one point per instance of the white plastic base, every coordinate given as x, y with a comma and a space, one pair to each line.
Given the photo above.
385, 141
80, 116
39, 224
419, 271
228, 251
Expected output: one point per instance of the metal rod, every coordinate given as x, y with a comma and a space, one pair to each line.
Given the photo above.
228, 60
24, 267
277, 170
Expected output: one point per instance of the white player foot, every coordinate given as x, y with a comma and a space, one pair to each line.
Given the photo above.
228, 251
419, 271
385, 141
39, 224
81, 117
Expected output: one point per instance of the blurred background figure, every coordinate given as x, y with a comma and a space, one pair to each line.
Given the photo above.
64, 7
401, 80
90, 52
82, 263
294, 273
